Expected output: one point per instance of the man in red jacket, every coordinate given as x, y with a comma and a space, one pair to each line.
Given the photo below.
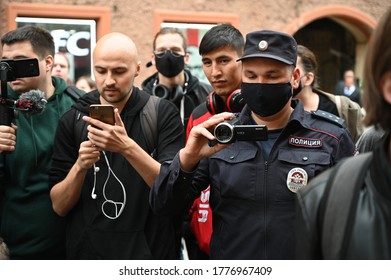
220, 47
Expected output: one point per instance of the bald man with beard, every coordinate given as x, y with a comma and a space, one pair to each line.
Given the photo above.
101, 174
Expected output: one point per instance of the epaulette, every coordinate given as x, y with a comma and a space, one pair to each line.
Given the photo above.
328, 117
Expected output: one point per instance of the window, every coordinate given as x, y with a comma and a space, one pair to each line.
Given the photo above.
75, 29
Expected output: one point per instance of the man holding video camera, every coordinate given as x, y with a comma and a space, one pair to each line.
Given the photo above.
253, 183
28, 223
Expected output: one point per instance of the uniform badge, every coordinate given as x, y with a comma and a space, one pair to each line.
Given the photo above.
297, 178
263, 45
305, 142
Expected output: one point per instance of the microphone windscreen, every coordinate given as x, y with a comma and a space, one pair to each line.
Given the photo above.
31, 102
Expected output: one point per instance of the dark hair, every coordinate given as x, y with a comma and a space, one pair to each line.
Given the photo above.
220, 36
91, 83
309, 63
41, 40
170, 30
378, 62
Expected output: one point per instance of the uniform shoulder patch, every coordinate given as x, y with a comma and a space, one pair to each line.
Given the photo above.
319, 114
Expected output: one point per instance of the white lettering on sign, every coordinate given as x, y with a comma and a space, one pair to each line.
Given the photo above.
69, 40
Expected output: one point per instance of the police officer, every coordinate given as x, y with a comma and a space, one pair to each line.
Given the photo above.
253, 183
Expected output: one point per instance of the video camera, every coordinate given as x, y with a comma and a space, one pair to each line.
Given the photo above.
230, 131
10, 70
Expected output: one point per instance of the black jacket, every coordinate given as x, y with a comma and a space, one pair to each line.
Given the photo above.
195, 92
371, 227
137, 233
252, 206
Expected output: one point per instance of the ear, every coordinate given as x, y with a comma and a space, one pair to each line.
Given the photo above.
49, 61
187, 58
385, 86
309, 78
296, 78
138, 68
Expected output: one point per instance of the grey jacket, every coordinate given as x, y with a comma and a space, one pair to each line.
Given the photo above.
370, 226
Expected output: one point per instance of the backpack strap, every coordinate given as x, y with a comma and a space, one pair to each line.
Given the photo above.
79, 128
148, 120
74, 92
341, 196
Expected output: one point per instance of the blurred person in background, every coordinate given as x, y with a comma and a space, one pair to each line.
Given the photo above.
62, 67
315, 99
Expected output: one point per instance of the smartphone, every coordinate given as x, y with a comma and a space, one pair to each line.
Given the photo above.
20, 68
102, 112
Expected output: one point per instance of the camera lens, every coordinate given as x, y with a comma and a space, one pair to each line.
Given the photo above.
224, 133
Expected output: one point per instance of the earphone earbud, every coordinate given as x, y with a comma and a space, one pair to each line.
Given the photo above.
96, 170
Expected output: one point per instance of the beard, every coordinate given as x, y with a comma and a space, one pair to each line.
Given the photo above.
115, 98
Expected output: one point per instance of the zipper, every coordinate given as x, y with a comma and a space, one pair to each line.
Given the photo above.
264, 207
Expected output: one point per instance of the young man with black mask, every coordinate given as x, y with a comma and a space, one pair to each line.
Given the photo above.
253, 183
172, 81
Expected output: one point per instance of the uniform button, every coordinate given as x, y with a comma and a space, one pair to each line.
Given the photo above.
231, 157
305, 158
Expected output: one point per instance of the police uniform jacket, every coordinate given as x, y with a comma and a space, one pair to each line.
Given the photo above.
253, 197
369, 227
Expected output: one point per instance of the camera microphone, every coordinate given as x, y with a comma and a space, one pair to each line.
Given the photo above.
31, 102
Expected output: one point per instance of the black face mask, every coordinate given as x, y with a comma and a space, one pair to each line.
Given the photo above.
169, 64
266, 99
299, 88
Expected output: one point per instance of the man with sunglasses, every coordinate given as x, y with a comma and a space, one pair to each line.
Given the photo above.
173, 81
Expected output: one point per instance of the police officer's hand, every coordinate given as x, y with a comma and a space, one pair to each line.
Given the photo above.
197, 145
7, 138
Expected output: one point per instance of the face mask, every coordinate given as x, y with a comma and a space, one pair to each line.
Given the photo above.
266, 99
297, 91
169, 64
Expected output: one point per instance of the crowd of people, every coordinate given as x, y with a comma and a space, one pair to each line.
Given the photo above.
76, 187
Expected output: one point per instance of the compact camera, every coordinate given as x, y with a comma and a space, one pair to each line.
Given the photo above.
232, 130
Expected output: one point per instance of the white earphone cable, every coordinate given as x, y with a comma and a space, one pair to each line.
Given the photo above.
115, 203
